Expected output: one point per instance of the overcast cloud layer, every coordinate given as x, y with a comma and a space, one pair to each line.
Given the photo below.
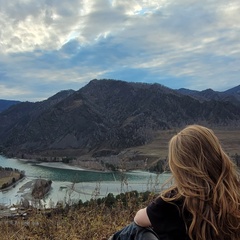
51, 45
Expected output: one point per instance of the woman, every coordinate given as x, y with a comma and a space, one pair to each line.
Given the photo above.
204, 201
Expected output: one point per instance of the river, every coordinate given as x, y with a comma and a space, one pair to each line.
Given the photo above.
69, 184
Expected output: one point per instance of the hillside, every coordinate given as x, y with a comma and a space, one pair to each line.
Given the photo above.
4, 104
104, 118
231, 95
93, 220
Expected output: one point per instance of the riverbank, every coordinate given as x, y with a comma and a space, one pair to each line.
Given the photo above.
74, 184
127, 160
73, 166
9, 177
60, 165
12, 185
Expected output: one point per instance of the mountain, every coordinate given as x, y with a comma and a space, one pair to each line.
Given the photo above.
4, 104
232, 95
106, 115
234, 90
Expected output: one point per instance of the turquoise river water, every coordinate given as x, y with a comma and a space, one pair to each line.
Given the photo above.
69, 184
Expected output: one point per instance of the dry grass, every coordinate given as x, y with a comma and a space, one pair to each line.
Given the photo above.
8, 179
229, 138
159, 146
96, 221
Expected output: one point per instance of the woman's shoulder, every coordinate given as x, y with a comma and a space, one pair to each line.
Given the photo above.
166, 216
167, 205
172, 196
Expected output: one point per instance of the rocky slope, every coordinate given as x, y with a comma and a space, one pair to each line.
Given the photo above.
231, 95
107, 116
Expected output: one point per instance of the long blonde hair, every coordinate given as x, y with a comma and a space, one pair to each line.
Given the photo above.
208, 182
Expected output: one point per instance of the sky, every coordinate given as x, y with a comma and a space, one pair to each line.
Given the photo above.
49, 45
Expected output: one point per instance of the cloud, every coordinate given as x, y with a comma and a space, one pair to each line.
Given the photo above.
48, 46
9, 92
42, 24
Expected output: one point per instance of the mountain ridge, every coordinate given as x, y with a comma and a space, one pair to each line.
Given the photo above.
230, 95
4, 104
107, 115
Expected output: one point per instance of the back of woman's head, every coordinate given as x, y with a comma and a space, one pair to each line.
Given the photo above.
209, 182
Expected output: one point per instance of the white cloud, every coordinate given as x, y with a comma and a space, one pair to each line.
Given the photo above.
11, 92
39, 24
72, 42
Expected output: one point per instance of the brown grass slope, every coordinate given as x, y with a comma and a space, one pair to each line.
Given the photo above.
96, 221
